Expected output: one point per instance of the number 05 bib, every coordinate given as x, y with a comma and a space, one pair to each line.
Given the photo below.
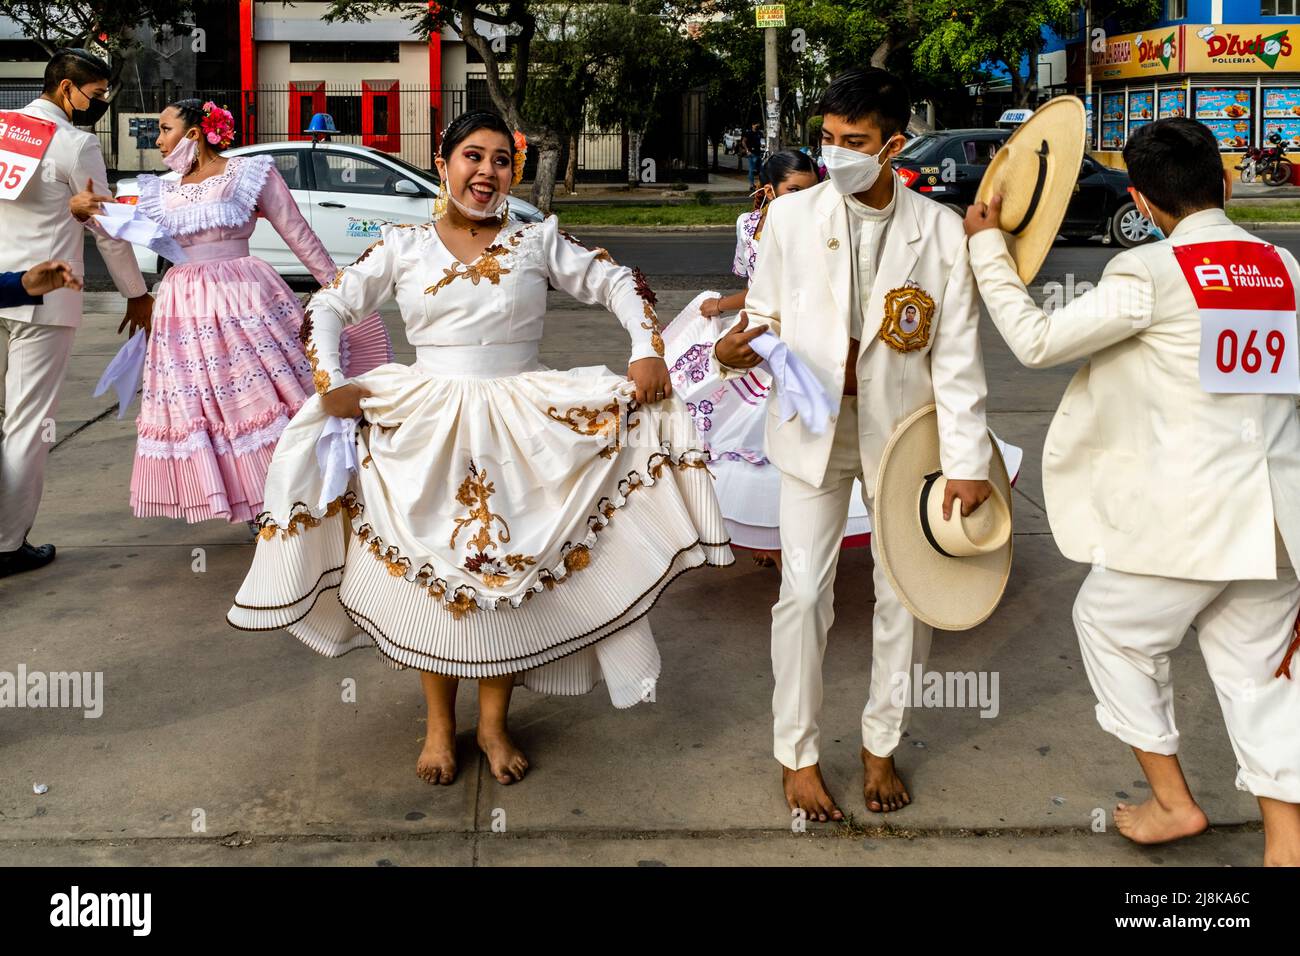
1248, 317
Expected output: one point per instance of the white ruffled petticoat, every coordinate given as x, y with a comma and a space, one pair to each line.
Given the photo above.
514, 520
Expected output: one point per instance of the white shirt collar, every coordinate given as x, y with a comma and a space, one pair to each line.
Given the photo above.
862, 211
42, 105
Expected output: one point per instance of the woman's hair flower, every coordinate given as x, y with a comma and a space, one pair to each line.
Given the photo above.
218, 125
521, 155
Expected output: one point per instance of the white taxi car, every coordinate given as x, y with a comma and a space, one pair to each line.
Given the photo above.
345, 192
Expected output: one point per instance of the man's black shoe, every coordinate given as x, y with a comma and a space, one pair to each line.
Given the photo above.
25, 558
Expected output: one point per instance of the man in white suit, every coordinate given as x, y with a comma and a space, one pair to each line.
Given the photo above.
868, 284
36, 340
1173, 467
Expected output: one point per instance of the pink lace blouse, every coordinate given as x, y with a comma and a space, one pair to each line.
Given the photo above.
225, 207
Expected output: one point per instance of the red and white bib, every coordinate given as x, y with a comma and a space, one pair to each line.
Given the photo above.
23, 141
1248, 317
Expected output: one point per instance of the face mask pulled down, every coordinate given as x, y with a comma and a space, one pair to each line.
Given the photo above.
850, 171
181, 157
449, 192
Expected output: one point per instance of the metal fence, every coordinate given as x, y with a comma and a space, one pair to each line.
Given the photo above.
401, 121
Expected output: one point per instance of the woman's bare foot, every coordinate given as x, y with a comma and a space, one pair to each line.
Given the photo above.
882, 787
437, 761
1150, 822
506, 761
806, 790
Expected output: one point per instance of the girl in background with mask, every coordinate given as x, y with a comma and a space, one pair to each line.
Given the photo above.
730, 415
225, 370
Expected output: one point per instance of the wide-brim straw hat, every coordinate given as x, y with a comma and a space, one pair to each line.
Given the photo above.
956, 590
1035, 172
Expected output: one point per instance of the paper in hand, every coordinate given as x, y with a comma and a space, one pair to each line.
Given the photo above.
126, 221
336, 457
124, 372
797, 389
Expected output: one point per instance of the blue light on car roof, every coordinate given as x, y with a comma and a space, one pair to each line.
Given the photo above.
321, 123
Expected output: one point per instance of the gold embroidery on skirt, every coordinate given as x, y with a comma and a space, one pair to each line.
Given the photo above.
300, 516
477, 489
475, 493
604, 421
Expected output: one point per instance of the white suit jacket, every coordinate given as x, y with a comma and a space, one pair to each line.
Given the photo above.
38, 226
1143, 470
803, 287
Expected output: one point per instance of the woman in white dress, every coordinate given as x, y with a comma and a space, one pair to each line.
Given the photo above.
730, 415
506, 522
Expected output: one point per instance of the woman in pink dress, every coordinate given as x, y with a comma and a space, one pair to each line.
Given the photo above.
225, 369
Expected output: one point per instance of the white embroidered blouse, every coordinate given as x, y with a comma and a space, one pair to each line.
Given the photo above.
498, 299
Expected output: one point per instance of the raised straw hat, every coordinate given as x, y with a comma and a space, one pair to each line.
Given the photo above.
1035, 172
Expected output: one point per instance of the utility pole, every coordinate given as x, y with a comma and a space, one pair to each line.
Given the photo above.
773, 123
1087, 65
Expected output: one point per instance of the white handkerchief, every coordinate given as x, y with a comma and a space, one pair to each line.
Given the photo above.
124, 371
126, 221
336, 456
797, 389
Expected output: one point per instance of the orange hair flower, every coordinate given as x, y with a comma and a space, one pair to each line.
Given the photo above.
521, 154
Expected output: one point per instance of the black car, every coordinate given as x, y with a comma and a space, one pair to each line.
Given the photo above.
948, 165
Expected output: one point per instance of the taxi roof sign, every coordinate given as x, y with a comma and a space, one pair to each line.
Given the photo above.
1014, 117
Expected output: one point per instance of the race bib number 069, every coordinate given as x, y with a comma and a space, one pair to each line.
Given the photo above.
1248, 317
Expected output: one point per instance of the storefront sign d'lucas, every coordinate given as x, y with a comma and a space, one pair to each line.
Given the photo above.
1194, 48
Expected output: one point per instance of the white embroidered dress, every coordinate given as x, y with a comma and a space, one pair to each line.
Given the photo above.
505, 518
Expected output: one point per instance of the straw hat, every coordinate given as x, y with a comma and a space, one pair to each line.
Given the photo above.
949, 574
1035, 172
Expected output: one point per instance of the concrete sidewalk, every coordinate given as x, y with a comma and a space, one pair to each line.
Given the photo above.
250, 733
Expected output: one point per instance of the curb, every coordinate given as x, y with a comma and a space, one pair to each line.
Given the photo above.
632, 230
1266, 226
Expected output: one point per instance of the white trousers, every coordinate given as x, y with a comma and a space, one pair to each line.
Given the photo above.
1129, 623
33, 359
812, 526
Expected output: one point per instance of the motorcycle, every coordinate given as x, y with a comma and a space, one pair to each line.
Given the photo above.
1266, 163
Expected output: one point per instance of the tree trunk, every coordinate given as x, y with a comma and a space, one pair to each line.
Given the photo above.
881, 53
571, 170
548, 162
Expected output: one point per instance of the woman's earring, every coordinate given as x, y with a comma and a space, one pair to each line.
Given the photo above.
440, 206
505, 214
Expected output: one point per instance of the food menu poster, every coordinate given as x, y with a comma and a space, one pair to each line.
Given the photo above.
1142, 106
1231, 134
1112, 107
1173, 103
1290, 129
1282, 104
1112, 135
1222, 104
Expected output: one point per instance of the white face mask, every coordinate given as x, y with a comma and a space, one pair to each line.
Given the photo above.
466, 210
850, 171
